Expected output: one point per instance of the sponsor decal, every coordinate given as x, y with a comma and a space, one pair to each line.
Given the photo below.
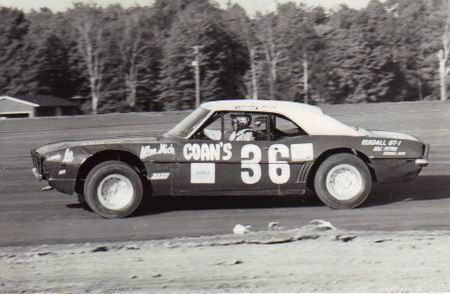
302, 152
385, 149
367, 142
160, 176
62, 172
394, 153
68, 156
380, 142
207, 152
388, 147
162, 149
203, 173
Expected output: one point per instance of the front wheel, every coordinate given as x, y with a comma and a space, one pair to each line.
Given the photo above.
343, 181
113, 189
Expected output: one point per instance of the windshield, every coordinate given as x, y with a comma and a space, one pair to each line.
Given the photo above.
191, 122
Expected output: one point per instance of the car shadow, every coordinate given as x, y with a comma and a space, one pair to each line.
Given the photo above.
165, 204
421, 189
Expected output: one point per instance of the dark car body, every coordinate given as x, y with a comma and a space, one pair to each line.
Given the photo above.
186, 165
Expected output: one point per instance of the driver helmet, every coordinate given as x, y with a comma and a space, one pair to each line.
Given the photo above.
241, 121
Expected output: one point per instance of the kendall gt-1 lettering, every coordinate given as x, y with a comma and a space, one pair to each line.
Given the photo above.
162, 149
373, 142
302, 152
68, 156
207, 152
203, 173
160, 176
381, 142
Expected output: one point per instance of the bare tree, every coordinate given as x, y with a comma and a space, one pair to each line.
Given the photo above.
251, 47
90, 42
131, 46
305, 77
443, 55
271, 53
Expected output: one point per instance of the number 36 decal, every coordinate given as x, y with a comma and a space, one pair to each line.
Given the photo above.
279, 170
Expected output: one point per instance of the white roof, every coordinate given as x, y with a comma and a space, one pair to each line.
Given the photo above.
309, 118
19, 100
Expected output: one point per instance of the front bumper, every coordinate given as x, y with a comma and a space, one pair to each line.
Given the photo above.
395, 170
422, 162
37, 174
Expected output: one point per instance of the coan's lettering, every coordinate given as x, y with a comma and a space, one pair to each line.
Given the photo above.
207, 152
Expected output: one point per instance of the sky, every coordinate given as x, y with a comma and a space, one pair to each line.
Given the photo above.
250, 5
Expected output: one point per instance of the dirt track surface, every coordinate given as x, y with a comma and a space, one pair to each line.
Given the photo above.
29, 216
302, 260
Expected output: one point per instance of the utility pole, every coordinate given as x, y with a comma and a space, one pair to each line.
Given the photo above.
196, 64
305, 78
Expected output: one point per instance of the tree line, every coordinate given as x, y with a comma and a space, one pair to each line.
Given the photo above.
141, 58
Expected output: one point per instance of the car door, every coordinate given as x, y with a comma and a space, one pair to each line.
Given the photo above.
199, 160
271, 163
210, 163
276, 161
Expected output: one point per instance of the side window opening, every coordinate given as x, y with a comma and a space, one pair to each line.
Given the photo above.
282, 127
235, 126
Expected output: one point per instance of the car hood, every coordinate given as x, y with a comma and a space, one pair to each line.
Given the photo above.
390, 135
102, 141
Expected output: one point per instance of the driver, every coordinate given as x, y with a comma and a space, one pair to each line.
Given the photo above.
241, 127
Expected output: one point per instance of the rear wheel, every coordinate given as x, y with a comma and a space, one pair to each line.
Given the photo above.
113, 189
343, 181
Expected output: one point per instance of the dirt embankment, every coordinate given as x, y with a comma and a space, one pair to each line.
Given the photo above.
314, 258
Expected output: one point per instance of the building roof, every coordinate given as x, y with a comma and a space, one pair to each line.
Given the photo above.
308, 117
40, 100
47, 100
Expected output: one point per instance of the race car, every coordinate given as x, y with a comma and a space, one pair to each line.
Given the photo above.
235, 147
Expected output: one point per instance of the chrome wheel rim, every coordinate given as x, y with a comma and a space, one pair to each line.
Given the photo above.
344, 182
115, 192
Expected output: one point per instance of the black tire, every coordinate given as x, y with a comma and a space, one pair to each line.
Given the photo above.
83, 202
113, 171
337, 198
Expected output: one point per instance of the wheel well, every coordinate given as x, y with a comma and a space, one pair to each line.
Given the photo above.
97, 158
328, 153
